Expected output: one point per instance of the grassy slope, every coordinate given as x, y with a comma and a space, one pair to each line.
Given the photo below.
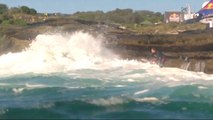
171, 28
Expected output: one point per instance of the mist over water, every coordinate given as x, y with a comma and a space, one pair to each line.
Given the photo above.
74, 76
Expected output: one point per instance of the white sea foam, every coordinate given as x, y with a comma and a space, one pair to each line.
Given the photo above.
57, 53
76, 87
108, 101
147, 99
34, 85
131, 80
46, 105
141, 92
18, 90
120, 86
202, 87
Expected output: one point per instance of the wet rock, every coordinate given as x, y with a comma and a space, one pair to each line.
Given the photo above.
196, 46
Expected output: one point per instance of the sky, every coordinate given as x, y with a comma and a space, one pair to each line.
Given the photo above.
72, 6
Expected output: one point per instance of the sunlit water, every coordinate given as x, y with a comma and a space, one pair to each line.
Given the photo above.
73, 76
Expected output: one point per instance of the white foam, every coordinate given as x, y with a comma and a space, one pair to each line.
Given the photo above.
18, 90
141, 92
108, 101
174, 79
131, 80
202, 87
147, 99
45, 106
34, 85
57, 53
120, 86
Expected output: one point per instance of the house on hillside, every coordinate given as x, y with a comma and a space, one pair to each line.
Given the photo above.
179, 16
173, 16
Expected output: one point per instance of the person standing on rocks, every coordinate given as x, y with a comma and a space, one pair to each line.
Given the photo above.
158, 57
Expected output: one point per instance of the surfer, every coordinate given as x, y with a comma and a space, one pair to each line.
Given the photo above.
158, 57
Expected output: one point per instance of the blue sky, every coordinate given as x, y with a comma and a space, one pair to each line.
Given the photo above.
72, 6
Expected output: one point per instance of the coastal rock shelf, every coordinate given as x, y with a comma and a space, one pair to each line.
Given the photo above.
192, 49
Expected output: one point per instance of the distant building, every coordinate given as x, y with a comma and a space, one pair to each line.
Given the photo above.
173, 16
179, 16
188, 14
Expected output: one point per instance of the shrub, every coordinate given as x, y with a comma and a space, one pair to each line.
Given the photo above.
14, 22
3, 8
19, 22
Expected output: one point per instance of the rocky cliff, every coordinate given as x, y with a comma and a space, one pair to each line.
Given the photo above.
191, 50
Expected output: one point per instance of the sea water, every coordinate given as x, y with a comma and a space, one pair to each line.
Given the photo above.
72, 76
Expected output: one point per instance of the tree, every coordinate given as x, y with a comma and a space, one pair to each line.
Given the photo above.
33, 11
25, 9
14, 10
138, 18
120, 15
3, 8
28, 10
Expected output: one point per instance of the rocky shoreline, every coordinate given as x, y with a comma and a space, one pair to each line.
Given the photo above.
191, 50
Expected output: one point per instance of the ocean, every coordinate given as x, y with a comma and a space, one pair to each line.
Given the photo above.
72, 76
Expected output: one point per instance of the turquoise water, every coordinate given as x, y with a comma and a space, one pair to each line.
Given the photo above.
72, 76
60, 95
